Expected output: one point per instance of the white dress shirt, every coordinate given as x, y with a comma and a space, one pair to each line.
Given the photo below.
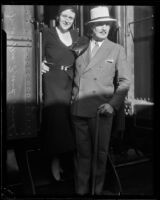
93, 43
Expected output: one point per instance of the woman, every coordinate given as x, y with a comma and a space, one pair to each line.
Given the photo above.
57, 87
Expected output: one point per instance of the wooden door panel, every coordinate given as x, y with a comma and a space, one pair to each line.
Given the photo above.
21, 73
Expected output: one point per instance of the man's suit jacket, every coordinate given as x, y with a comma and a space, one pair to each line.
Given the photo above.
94, 79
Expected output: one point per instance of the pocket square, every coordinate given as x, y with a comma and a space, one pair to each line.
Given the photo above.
109, 61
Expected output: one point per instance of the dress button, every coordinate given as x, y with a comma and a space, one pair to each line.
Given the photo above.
95, 79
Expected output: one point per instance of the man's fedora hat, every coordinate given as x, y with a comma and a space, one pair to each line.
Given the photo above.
100, 14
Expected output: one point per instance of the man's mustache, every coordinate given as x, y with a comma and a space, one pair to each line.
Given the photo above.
103, 31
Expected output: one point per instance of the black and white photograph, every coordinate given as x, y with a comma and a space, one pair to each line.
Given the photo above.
78, 102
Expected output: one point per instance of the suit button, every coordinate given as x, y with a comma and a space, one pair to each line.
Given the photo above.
93, 91
95, 79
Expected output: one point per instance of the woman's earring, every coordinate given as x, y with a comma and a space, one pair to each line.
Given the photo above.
57, 19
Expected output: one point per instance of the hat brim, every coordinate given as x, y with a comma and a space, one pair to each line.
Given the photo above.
109, 20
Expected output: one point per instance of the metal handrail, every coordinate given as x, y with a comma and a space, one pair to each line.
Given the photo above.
141, 20
138, 21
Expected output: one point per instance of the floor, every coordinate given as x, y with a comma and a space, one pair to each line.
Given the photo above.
136, 178
132, 159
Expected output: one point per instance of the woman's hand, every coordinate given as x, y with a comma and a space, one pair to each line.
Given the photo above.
44, 68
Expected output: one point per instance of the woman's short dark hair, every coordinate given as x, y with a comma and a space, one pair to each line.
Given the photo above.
67, 7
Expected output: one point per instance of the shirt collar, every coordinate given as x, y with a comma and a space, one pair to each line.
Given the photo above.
93, 43
99, 42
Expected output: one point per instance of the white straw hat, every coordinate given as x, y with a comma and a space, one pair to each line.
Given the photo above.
100, 14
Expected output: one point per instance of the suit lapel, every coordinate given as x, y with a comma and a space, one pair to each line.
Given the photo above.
86, 56
102, 52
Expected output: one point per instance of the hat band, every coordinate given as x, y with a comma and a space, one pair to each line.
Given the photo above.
102, 18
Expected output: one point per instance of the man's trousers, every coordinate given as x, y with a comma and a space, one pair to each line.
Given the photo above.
85, 129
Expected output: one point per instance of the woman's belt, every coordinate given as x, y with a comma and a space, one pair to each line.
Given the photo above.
60, 67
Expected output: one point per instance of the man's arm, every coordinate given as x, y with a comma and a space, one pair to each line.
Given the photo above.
123, 80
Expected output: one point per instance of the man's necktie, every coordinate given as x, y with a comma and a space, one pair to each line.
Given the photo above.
94, 50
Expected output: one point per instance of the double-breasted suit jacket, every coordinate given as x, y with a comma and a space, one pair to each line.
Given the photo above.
94, 80
93, 86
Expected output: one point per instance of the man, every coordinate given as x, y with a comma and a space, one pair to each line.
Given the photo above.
94, 92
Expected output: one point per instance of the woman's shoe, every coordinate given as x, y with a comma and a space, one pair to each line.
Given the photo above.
56, 170
61, 175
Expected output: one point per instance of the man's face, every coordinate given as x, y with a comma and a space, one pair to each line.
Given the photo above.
66, 19
100, 30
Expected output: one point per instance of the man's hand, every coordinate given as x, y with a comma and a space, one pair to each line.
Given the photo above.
106, 109
44, 68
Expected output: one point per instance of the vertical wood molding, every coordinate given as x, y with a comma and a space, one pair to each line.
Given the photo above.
40, 13
81, 21
124, 15
119, 15
129, 46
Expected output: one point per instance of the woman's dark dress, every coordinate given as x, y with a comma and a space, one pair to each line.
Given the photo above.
57, 87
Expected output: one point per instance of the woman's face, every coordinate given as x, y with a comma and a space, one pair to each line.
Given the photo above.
66, 19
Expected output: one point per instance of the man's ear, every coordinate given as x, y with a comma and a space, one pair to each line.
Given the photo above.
92, 25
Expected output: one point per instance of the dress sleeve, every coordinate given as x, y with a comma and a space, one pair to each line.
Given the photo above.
80, 45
